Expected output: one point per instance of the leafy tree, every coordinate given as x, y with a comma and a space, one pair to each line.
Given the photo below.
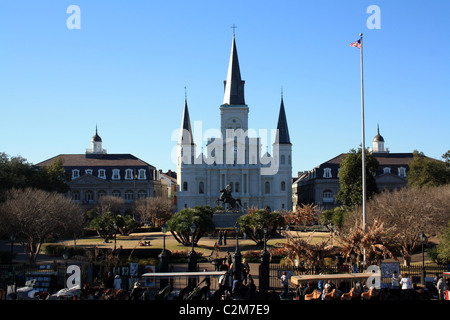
109, 223
52, 177
446, 157
424, 171
179, 224
335, 216
34, 215
126, 224
16, 172
105, 225
252, 223
350, 178
443, 248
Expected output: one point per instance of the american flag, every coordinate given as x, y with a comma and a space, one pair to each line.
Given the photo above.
356, 44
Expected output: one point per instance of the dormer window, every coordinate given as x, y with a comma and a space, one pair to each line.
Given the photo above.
142, 175
116, 174
387, 170
102, 173
75, 173
128, 174
88, 171
402, 172
327, 173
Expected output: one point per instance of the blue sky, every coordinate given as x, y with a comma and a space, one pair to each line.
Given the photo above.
126, 68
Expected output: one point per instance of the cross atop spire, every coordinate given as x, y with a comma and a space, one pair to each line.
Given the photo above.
234, 28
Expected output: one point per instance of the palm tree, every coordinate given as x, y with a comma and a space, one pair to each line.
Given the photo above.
373, 243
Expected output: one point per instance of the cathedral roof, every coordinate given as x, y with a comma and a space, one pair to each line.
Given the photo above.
234, 85
104, 160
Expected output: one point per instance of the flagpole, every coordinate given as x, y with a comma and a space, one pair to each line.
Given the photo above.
363, 148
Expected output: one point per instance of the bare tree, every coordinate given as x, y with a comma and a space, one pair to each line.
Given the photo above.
110, 204
34, 215
154, 210
408, 212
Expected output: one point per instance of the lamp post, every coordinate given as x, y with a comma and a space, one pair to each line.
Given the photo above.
115, 236
163, 258
237, 257
423, 238
13, 238
192, 258
264, 267
353, 258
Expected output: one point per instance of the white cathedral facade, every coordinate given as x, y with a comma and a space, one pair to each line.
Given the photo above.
235, 158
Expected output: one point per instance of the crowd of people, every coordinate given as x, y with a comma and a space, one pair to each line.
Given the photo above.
401, 285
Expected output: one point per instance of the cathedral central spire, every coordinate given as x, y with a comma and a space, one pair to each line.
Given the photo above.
234, 85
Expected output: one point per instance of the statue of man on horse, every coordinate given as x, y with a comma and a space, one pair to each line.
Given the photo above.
226, 198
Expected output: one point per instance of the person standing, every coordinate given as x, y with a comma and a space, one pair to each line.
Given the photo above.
117, 282
245, 270
395, 281
405, 282
284, 284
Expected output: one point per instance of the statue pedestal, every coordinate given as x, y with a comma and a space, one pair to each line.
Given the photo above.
226, 219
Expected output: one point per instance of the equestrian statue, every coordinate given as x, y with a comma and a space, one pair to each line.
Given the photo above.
226, 198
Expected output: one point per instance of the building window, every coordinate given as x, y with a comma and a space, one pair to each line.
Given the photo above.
101, 193
387, 170
76, 196
282, 159
283, 186
201, 187
89, 196
116, 174
142, 194
102, 173
75, 173
116, 193
128, 174
236, 187
402, 172
328, 196
142, 175
129, 195
88, 171
267, 187
327, 173
185, 186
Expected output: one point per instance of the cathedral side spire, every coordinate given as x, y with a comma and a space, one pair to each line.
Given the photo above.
282, 136
186, 131
234, 85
